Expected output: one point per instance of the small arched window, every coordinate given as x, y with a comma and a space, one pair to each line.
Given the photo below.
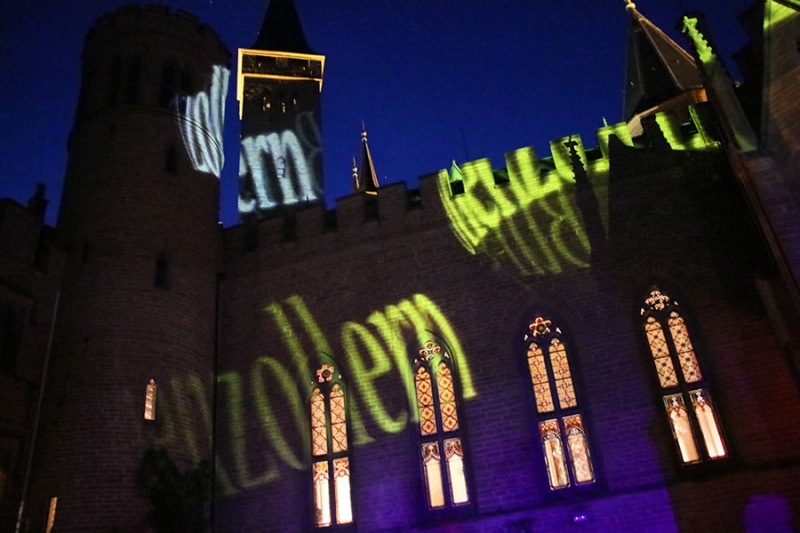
561, 425
330, 456
684, 389
441, 444
150, 400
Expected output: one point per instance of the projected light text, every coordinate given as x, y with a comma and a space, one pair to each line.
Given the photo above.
203, 120
280, 168
273, 390
531, 221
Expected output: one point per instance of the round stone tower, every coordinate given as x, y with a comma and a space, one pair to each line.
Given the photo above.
133, 355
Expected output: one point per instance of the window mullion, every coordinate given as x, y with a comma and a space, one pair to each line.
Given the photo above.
683, 387
330, 458
444, 468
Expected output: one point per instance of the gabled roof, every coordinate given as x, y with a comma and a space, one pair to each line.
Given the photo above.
657, 69
281, 30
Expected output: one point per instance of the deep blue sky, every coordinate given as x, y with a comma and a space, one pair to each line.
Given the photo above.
434, 80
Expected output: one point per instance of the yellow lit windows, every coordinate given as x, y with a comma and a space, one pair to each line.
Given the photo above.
441, 448
687, 401
330, 461
150, 400
561, 426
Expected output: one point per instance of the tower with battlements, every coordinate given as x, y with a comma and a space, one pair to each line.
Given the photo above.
133, 351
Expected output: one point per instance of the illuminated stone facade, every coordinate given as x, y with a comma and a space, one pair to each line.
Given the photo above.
598, 339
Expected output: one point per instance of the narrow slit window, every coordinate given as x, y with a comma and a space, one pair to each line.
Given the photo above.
51, 514
163, 275
329, 449
150, 400
690, 411
171, 160
565, 446
441, 445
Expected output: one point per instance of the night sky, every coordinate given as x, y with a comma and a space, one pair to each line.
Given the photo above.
433, 80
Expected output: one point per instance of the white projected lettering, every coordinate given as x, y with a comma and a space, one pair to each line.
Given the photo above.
278, 168
201, 128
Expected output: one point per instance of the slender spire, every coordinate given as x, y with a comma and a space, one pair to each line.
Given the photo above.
365, 180
281, 30
355, 175
658, 69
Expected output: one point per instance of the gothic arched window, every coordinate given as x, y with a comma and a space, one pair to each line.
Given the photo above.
684, 390
441, 445
561, 425
330, 461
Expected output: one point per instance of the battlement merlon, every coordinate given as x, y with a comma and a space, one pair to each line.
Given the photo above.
494, 192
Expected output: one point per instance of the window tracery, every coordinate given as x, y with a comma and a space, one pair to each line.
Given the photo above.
441, 444
561, 426
685, 394
329, 449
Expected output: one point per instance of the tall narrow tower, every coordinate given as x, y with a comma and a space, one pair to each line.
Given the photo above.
278, 86
134, 344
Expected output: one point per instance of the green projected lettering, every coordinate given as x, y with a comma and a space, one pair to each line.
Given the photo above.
268, 424
266, 414
230, 384
528, 218
354, 338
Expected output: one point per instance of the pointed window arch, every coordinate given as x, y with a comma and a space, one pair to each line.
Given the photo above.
440, 432
150, 400
562, 427
685, 392
330, 451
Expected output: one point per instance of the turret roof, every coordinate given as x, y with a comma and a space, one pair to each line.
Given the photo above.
366, 180
657, 69
281, 30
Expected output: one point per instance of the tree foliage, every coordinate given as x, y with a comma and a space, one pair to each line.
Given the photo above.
178, 500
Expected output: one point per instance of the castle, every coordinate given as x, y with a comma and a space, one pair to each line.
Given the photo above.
602, 339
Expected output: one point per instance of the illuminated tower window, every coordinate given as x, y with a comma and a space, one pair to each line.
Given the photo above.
441, 446
329, 449
51, 514
150, 400
561, 425
685, 395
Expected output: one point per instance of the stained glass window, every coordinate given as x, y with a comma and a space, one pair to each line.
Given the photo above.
150, 400
561, 429
687, 401
329, 449
441, 447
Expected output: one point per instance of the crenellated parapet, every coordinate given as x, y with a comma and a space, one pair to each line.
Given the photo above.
525, 213
151, 20
156, 60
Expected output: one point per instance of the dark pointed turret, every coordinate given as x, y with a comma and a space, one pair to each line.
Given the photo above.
281, 30
658, 70
365, 180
